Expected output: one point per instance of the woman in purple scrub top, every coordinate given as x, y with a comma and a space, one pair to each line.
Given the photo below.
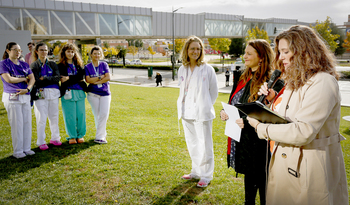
99, 95
73, 93
18, 80
45, 95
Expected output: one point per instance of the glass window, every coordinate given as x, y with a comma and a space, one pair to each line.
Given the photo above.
107, 24
125, 25
85, 23
13, 18
61, 22
36, 21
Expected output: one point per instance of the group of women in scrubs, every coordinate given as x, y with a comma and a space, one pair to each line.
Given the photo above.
40, 83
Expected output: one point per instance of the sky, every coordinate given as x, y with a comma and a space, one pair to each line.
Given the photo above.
303, 10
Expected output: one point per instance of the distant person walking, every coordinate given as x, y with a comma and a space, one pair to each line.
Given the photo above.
28, 56
72, 93
99, 94
46, 95
17, 80
227, 75
159, 79
198, 92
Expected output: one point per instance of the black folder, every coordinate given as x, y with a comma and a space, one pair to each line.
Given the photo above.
262, 113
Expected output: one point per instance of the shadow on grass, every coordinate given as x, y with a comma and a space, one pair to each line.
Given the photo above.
184, 193
347, 131
11, 165
3, 111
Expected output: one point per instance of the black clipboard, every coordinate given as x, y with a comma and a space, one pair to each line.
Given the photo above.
262, 113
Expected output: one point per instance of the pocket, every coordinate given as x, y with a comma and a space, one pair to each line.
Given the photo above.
68, 95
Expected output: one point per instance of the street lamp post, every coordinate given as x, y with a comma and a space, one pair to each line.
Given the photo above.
173, 56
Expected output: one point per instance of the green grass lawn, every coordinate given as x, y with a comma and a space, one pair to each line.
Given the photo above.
141, 164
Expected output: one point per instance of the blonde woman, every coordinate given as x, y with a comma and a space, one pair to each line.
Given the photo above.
99, 94
198, 92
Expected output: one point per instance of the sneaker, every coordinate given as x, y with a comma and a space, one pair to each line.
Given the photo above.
43, 147
100, 141
80, 140
29, 152
190, 176
56, 142
72, 141
19, 155
203, 183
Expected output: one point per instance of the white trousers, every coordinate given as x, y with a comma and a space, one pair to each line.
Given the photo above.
43, 109
200, 146
19, 115
100, 107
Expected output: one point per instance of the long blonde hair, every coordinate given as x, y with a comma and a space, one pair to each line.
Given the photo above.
184, 54
310, 56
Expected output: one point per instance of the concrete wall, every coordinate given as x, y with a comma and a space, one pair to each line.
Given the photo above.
20, 37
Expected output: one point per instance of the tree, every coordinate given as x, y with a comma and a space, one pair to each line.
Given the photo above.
346, 43
84, 54
133, 50
151, 51
122, 53
56, 50
179, 44
106, 44
256, 33
236, 47
340, 50
138, 43
220, 44
325, 31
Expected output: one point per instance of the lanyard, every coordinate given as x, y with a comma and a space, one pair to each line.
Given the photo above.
96, 69
72, 68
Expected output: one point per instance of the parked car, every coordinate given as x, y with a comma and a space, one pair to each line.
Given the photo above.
136, 62
127, 62
115, 61
238, 65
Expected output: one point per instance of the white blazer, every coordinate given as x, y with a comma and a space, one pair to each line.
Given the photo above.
204, 91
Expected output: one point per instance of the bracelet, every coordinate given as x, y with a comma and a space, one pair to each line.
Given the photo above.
256, 127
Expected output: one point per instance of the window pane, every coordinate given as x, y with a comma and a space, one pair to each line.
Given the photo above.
12, 16
107, 24
58, 18
89, 19
40, 17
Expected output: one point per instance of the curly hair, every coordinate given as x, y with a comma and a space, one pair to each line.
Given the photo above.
184, 54
76, 59
266, 55
310, 56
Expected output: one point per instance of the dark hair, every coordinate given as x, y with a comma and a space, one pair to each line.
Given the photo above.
76, 59
34, 54
266, 55
97, 48
30, 43
8, 47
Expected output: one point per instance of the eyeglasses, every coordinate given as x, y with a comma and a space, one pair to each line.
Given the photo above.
42, 50
16, 50
195, 49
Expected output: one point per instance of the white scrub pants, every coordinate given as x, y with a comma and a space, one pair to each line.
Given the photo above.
43, 109
200, 146
100, 107
19, 115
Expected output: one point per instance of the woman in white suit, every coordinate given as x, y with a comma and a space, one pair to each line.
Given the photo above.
198, 92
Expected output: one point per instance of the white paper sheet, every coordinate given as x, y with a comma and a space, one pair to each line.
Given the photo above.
232, 129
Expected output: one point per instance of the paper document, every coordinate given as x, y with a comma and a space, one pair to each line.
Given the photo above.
232, 129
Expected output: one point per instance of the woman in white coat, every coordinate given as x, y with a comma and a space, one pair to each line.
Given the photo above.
307, 164
198, 92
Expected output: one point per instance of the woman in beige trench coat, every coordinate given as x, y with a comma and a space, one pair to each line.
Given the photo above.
307, 165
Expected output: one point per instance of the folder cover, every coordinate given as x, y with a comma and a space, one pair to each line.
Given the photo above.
262, 113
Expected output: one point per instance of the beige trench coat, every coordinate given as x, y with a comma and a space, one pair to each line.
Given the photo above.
307, 165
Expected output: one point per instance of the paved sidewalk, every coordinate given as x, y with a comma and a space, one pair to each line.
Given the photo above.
138, 77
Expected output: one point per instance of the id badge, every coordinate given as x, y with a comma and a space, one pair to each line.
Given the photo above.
40, 93
68, 95
14, 97
99, 85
